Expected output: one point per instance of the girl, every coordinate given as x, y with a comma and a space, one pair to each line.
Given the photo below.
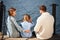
27, 25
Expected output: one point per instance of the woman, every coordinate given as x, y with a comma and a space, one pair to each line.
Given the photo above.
12, 25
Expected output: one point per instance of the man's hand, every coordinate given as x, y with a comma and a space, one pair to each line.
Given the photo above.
27, 31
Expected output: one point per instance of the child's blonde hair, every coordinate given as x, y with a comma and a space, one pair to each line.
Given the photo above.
26, 17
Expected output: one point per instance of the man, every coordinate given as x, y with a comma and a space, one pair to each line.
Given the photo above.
12, 25
44, 26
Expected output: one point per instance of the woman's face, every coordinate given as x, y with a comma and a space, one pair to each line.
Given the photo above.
14, 13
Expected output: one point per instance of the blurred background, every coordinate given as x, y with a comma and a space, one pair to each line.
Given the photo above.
30, 7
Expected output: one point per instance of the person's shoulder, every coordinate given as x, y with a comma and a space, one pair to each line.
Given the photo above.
7, 17
40, 17
22, 23
51, 16
12, 18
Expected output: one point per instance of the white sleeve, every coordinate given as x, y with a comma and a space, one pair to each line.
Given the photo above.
38, 24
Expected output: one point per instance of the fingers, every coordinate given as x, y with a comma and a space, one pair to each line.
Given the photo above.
27, 31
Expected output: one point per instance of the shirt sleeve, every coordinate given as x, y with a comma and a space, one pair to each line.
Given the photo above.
32, 26
9, 28
38, 24
17, 26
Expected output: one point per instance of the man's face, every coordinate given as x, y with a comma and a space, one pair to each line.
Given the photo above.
40, 11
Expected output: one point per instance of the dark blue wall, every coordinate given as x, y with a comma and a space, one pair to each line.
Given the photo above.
32, 7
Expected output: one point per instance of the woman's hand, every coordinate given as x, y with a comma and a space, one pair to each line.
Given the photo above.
27, 31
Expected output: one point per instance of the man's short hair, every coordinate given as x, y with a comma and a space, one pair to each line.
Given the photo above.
43, 8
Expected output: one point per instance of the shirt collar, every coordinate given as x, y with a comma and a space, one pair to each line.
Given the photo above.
45, 13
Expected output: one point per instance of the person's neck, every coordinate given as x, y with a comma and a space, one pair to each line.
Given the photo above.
43, 12
12, 16
24, 20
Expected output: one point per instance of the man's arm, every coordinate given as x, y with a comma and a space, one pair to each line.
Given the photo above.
38, 25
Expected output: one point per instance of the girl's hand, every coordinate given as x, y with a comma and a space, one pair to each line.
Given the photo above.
30, 20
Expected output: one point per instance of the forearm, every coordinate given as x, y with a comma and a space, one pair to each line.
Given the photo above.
36, 30
16, 25
19, 28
